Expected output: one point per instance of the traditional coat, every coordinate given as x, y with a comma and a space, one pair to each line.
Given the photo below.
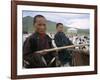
34, 43
61, 40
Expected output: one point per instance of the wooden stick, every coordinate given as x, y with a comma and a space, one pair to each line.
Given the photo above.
60, 48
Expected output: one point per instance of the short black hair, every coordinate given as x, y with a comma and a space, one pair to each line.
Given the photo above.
58, 24
34, 19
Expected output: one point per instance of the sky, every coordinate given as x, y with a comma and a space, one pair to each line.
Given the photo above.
75, 20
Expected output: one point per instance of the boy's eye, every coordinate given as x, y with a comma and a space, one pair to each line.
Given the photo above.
39, 24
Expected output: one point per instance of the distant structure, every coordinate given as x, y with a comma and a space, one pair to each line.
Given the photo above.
72, 31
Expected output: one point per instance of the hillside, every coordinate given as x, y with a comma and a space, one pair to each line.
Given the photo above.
51, 26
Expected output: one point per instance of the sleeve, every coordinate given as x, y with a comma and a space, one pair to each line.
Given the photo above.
65, 39
28, 48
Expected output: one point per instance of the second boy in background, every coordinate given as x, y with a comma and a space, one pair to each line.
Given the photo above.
61, 40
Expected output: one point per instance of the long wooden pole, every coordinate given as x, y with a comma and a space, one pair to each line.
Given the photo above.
60, 48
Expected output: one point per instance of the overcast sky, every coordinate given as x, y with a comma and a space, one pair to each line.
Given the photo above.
76, 20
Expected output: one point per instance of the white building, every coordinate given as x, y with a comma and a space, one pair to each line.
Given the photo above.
72, 30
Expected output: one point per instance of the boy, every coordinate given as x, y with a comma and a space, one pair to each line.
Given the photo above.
39, 40
61, 40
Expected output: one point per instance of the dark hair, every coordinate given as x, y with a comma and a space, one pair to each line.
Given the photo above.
37, 16
58, 24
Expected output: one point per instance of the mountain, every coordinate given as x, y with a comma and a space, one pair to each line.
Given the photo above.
27, 24
51, 26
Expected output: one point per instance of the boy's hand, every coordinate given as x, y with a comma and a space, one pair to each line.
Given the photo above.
43, 52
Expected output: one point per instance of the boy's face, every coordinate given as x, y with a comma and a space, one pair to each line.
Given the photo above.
40, 25
60, 28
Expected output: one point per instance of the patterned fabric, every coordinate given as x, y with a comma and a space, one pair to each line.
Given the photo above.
33, 43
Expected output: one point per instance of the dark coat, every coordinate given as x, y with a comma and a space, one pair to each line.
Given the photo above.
32, 44
61, 40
